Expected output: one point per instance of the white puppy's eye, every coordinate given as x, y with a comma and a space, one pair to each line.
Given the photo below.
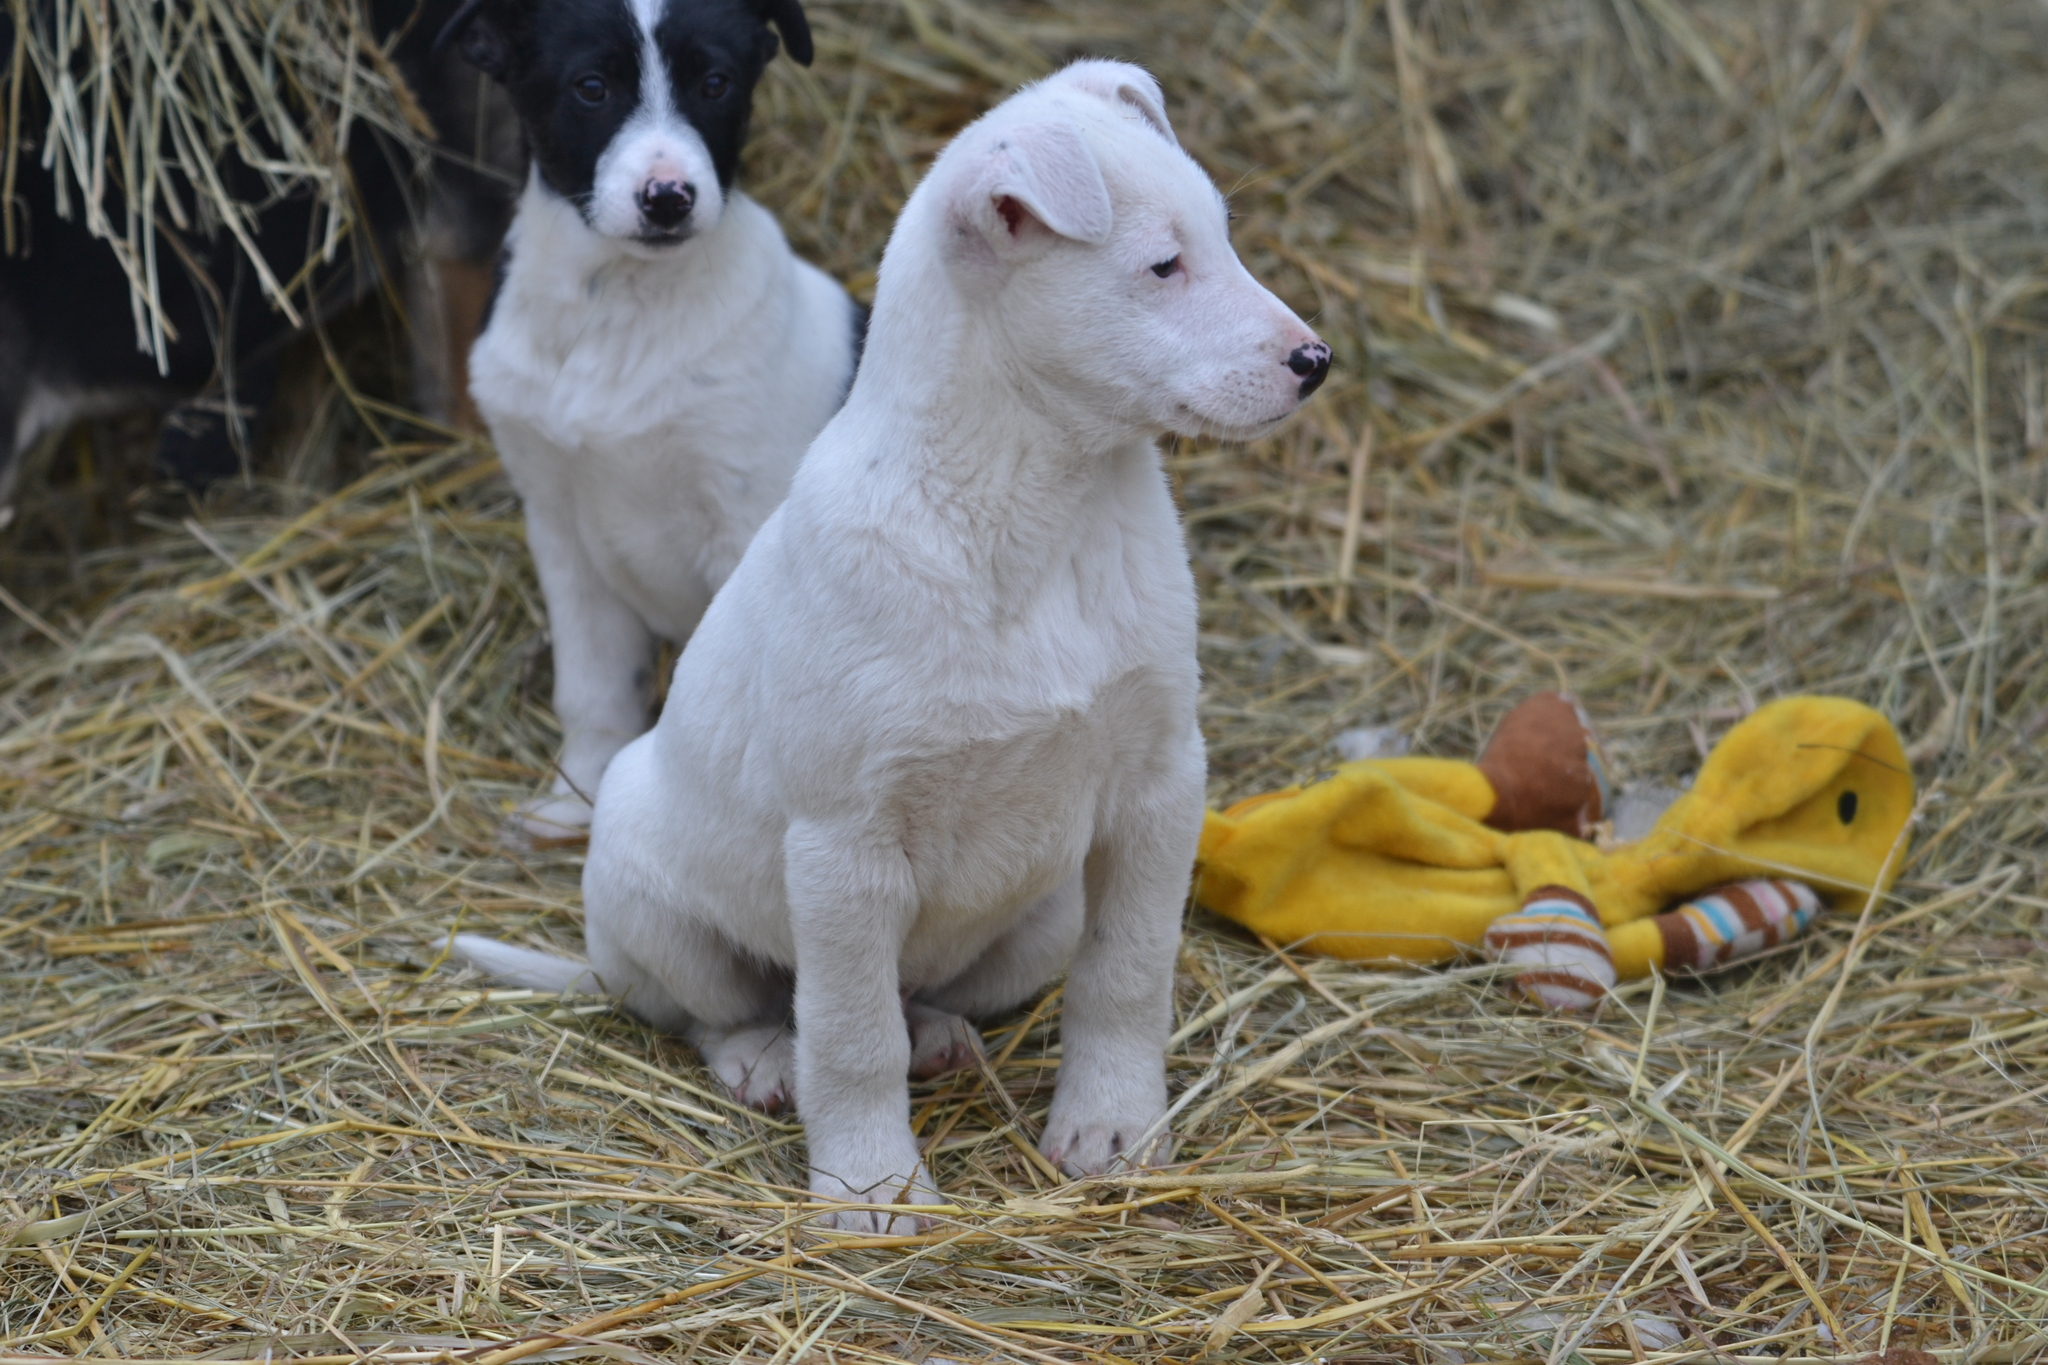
1166, 267
715, 85
591, 89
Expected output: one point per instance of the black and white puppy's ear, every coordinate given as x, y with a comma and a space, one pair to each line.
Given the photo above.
788, 18
483, 30
1037, 179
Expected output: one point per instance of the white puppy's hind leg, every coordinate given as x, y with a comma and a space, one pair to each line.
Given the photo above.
1016, 967
604, 661
851, 900
757, 1063
684, 977
940, 1041
1119, 1001
1022, 962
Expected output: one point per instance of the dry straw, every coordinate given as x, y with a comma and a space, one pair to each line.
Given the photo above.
162, 119
1700, 348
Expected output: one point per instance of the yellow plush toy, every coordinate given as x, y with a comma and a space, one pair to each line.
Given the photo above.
1424, 859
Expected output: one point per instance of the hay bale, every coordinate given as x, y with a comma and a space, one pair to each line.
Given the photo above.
1701, 353
193, 116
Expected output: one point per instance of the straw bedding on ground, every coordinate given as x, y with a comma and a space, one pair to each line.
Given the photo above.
1687, 356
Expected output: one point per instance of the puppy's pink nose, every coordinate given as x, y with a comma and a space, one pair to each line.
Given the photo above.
1312, 363
666, 203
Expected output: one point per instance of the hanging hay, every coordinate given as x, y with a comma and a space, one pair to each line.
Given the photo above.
1690, 355
191, 115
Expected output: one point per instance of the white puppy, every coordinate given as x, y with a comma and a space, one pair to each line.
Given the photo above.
935, 740
656, 359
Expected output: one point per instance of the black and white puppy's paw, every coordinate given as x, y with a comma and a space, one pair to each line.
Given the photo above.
557, 818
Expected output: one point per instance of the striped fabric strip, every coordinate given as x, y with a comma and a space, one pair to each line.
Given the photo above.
1556, 941
1734, 922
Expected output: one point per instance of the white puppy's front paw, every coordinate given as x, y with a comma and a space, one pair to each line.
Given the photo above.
896, 1190
758, 1064
561, 817
940, 1042
1092, 1144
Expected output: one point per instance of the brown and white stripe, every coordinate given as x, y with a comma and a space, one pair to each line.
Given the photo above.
1734, 922
1557, 942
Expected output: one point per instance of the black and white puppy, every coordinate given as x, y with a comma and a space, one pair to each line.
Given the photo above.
656, 359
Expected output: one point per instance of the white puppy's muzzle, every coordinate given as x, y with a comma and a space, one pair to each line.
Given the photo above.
1271, 378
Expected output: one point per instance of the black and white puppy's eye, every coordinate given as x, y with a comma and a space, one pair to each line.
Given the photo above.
715, 86
1166, 267
591, 89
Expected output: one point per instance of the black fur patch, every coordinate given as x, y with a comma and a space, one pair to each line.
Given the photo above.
547, 49
703, 38
862, 314
714, 52
500, 268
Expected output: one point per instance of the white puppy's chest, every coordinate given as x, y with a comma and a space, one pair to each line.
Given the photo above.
1018, 737
998, 822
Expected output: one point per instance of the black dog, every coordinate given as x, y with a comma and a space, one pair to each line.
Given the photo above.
67, 328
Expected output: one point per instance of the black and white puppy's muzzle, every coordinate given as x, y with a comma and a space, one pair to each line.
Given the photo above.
665, 206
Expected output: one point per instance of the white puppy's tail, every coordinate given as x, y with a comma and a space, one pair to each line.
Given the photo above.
536, 971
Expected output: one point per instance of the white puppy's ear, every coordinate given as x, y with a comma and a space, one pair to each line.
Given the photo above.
1123, 83
1041, 175
1145, 95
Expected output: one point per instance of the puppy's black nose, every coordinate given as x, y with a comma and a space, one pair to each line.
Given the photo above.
664, 203
1312, 363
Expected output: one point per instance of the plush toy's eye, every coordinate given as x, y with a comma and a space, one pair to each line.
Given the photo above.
1845, 806
591, 89
1166, 267
715, 85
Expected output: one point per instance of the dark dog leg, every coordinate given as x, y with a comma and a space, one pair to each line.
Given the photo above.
210, 437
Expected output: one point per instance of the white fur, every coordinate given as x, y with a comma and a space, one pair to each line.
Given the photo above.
650, 411
534, 970
936, 738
